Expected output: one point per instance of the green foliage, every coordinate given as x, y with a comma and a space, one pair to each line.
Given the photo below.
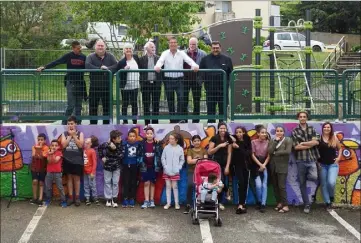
334, 17
275, 108
356, 48
263, 39
36, 24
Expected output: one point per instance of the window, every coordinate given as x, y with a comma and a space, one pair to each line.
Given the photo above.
223, 6
122, 30
284, 37
298, 37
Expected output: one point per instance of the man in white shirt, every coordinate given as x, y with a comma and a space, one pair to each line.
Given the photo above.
173, 59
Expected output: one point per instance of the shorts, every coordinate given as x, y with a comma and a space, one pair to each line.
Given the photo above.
149, 175
172, 178
40, 176
73, 169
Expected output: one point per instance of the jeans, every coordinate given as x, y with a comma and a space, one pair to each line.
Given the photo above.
175, 85
261, 187
307, 170
204, 193
151, 97
90, 185
130, 97
129, 181
111, 184
58, 178
328, 181
74, 101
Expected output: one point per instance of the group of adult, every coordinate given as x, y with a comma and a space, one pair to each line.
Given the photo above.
148, 82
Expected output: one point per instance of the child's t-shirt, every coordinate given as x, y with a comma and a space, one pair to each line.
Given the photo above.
55, 167
90, 161
149, 154
131, 153
195, 155
38, 164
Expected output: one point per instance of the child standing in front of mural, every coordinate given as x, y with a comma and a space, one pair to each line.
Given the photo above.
132, 158
112, 153
90, 168
38, 168
55, 160
72, 141
261, 158
152, 152
329, 159
172, 161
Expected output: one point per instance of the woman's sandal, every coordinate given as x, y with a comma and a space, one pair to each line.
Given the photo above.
278, 208
283, 210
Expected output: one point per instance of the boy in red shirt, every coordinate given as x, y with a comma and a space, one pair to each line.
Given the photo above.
38, 168
55, 159
90, 168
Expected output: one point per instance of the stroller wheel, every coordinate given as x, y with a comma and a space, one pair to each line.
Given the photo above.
218, 222
195, 220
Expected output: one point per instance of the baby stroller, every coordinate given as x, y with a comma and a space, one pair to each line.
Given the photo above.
203, 168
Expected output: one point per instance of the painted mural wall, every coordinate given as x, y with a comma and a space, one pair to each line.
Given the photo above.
348, 188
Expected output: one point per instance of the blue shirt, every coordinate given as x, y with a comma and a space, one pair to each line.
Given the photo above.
131, 151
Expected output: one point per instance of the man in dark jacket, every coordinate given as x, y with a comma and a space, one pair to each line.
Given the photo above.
99, 81
213, 81
73, 81
150, 83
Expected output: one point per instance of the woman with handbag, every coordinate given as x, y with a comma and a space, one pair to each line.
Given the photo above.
279, 150
261, 158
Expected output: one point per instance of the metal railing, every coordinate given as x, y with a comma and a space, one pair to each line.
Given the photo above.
334, 56
351, 82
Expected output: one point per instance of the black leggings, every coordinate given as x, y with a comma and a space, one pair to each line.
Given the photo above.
243, 178
190, 187
225, 188
129, 181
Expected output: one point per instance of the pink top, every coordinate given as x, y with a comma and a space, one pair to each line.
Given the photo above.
259, 147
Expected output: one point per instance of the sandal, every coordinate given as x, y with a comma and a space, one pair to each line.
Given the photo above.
278, 208
283, 210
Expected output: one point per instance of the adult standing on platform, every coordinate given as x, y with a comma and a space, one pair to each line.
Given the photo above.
150, 83
73, 81
214, 81
99, 81
173, 59
190, 79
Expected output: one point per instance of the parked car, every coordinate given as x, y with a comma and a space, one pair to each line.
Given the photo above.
67, 43
292, 41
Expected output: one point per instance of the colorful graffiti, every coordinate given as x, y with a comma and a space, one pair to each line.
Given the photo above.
348, 189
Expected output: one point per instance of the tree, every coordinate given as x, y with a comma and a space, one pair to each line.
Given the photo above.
334, 17
140, 16
36, 24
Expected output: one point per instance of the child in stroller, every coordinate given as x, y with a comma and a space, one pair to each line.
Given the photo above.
211, 186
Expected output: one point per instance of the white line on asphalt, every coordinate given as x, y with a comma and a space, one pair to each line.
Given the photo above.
32, 225
351, 229
205, 231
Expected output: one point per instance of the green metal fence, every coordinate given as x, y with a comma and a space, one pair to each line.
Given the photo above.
351, 94
176, 95
27, 95
265, 94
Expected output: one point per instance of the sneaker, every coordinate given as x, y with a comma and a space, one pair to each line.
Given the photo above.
131, 203
63, 204
167, 206
40, 203
125, 203
96, 201
34, 201
108, 203
114, 203
87, 202
177, 207
262, 209
151, 204
332, 199
145, 204
307, 209
77, 202
328, 206
69, 201
47, 202
258, 206
221, 206
187, 209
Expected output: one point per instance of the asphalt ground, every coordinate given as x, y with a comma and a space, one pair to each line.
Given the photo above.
100, 224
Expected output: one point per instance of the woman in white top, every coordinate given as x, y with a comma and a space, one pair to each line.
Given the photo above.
128, 82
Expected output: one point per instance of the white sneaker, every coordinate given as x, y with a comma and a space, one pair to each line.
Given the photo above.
221, 207
177, 207
108, 203
115, 205
167, 206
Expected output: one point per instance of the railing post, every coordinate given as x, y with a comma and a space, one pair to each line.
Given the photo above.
308, 59
111, 117
117, 97
272, 65
1, 96
258, 62
225, 97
